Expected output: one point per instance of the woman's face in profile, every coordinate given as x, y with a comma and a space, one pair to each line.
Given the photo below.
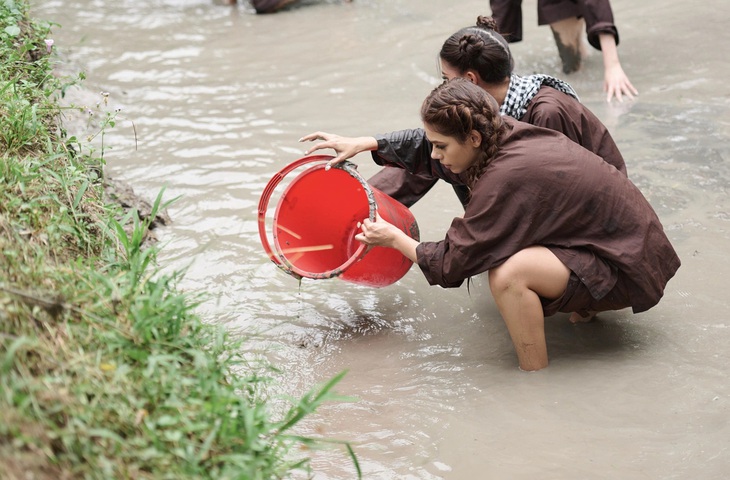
454, 155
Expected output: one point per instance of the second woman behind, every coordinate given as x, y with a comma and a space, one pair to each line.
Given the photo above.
482, 56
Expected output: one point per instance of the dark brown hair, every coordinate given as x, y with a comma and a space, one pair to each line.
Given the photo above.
480, 48
457, 107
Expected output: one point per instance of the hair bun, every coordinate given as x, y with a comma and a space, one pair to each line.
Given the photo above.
486, 22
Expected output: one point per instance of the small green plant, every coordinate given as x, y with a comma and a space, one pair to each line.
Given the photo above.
107, 120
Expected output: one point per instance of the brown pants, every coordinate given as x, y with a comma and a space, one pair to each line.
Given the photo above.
597, 13
578, 299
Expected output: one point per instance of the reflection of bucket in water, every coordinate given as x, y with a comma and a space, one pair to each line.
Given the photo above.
316, 220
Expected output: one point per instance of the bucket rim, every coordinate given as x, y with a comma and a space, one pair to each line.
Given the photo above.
275, 254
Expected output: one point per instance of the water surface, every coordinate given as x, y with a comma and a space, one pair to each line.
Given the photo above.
219, 98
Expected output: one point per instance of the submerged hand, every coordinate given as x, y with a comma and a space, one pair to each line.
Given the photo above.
617, 84
345, 147
615, 81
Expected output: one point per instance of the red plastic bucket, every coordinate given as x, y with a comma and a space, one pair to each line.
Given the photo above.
315, 223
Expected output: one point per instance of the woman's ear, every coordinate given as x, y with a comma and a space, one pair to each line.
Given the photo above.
472, 76
475, 139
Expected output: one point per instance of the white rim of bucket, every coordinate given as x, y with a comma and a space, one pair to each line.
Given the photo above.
291, 269
277, 256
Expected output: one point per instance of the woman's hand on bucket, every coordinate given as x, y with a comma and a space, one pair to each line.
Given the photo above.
383, 234
346, 147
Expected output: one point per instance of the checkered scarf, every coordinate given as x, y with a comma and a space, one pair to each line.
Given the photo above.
523, 89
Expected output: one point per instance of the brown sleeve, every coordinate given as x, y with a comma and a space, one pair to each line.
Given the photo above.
491, 230
599, 19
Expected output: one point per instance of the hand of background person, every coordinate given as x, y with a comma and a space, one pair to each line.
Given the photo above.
615, 82
345, 147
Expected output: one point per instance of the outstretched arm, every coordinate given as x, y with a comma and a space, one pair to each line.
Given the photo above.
615, 81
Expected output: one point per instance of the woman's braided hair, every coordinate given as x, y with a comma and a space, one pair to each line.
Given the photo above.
456, 108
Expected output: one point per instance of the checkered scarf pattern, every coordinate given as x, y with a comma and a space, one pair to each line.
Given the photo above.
523, 89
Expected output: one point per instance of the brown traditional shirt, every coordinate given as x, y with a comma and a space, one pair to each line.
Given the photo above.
557, 111
544, 189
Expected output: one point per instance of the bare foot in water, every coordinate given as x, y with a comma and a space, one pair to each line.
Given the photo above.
576, 317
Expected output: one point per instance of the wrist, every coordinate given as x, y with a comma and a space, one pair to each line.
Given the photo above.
404, 244
368, 143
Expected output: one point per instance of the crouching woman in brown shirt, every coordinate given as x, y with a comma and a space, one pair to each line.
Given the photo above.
557, 228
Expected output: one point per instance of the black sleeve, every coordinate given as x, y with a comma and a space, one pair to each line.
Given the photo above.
407, 149
411, 151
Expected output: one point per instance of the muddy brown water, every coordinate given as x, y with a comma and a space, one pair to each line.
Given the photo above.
219, 98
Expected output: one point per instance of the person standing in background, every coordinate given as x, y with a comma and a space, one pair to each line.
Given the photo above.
568, 19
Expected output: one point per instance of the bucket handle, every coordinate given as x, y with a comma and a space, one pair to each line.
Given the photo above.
269, 190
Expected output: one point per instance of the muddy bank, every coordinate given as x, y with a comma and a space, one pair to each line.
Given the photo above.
86, 114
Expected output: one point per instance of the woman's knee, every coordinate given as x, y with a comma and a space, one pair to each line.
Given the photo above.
534, 268
504, 278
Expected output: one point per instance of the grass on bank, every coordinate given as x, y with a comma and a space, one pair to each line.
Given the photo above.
105, 369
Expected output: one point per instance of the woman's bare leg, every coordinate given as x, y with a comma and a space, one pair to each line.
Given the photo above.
517, 286
568, 36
